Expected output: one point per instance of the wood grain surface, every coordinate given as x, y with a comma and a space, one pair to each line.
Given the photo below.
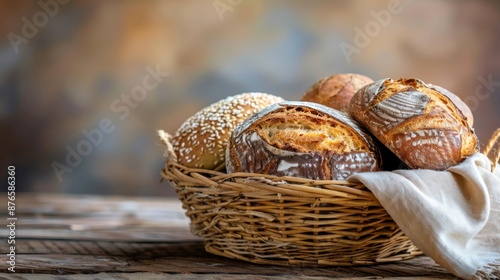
97, 237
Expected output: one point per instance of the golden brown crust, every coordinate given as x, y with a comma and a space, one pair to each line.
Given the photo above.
336, 91
302, 139
466, 111
417, 122
201, 140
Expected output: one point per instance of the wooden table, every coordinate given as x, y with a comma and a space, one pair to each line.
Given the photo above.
102, 237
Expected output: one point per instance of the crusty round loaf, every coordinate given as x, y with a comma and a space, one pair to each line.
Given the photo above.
417, 122
301, 139
336, 91
201, 140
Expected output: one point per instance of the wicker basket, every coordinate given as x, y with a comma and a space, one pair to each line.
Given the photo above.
286, 220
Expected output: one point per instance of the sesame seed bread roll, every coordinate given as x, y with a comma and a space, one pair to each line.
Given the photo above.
417, 122
201, 140
301, 139
336, 91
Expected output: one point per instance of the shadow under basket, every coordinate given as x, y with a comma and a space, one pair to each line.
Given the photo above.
267, 219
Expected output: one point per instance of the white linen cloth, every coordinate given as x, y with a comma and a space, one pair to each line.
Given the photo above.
453, 216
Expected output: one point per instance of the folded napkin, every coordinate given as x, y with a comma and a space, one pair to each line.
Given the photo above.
453, 216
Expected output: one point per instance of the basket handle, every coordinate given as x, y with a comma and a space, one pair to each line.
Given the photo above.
492, 149
166, 140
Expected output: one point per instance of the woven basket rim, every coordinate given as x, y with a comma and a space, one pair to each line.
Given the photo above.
284, 185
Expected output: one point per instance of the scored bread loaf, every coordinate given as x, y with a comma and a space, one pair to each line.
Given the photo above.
201, 140
336, 91
417, 122
301, 139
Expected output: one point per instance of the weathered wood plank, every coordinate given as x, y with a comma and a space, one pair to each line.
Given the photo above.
184, 257
99, 218
125, 234
68, 204
71, 264
96, 213
156, 276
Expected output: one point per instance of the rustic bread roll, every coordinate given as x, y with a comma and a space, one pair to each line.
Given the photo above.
417, 122
336, 91
301, 139
201, 140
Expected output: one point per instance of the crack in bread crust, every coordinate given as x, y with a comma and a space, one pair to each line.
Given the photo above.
302, 139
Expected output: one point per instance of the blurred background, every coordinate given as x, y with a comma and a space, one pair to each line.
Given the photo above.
84, 85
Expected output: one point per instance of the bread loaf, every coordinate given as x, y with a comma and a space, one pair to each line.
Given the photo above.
417, 122
201, 140
301, 139
336, 91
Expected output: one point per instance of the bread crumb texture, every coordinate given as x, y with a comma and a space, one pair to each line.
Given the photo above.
302, 139
302, 129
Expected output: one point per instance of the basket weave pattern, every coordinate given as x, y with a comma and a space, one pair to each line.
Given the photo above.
287, 220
